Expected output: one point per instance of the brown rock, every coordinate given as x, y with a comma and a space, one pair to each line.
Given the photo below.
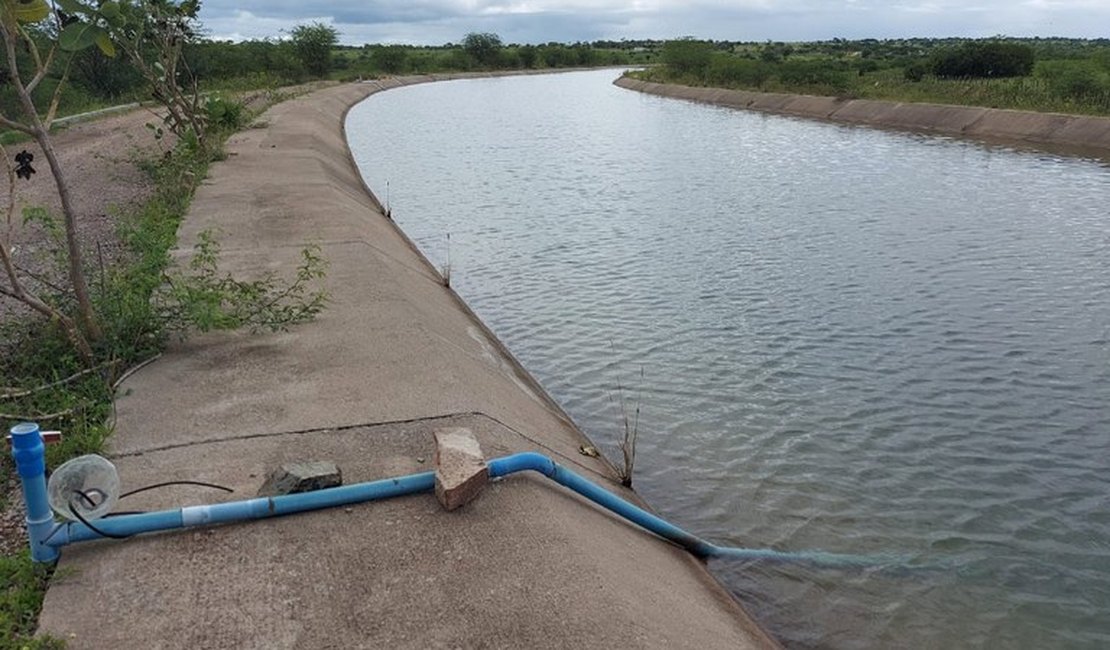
461, 471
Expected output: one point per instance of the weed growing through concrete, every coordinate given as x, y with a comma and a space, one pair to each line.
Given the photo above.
629, 428
447, 265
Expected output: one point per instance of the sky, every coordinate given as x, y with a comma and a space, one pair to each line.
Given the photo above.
435, 22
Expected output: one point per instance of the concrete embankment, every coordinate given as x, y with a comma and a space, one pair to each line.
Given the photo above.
1067, 134
395, 357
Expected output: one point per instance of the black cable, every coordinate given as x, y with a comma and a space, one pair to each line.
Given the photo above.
85, 496
88, 499
94, 529
167, 483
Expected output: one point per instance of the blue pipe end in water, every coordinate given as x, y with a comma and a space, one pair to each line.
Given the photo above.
46, 538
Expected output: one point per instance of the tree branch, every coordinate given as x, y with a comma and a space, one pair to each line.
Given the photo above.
57, 98
41, 70
15, 126
38, 389
80, 287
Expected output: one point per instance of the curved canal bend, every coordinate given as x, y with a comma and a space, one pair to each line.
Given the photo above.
850, 339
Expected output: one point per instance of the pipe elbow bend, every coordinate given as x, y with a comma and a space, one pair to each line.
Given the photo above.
524, 461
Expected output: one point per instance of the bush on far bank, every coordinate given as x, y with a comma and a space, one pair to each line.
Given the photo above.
983, 60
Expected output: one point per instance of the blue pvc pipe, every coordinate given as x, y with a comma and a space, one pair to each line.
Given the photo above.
53, 538
259, 508
29, 454
604, 498
666, 530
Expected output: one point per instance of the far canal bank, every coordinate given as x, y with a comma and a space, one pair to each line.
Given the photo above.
1080, 135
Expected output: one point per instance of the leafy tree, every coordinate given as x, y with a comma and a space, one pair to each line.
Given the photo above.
15, 17
556, 55
727, 70
313, 44
390, 58
914, 72
983, 60
152, 34
108, 77
687, 56
484, 48
527, 54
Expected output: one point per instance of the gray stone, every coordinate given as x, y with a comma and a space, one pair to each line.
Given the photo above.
305, 476
461, 470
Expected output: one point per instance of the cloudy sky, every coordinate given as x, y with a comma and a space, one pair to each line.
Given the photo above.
434, 22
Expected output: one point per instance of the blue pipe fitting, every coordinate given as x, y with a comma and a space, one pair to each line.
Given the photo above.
601, 496
29, 454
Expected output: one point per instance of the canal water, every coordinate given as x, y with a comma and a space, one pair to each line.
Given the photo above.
838, 338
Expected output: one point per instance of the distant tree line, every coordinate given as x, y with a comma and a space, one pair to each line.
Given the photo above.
1034, 74
306, 52
983, 60
1076, 70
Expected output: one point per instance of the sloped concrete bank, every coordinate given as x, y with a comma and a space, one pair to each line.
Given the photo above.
1066, 134
395, 357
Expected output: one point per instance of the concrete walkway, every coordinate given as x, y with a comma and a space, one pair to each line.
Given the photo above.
394, 357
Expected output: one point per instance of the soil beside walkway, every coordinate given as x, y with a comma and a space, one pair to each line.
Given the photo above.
394, 357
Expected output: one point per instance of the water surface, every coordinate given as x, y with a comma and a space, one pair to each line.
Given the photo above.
850, 339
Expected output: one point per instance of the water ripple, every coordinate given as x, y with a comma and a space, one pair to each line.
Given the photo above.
851, 339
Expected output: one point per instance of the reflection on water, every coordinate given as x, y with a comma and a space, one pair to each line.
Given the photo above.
851, 340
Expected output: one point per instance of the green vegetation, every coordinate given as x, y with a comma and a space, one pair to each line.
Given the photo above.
1059, 75
313, 45
83, 327
20, 600
483, 49
983, 60
97, 80
139, 304
480, 52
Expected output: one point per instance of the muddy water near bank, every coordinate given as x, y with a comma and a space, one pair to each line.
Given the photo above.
851, 339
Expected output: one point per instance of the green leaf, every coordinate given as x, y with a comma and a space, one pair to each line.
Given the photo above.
71, 6
106, 45
30, 11
109, 10
78, 36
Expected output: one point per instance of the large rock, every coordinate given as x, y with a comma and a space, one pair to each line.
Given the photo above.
461, 471
305, 476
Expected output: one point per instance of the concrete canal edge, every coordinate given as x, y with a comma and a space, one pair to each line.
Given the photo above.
1055, 132
396, 358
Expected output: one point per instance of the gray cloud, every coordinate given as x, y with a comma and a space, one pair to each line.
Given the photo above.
534, 21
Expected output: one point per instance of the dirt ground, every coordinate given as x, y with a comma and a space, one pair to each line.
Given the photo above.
100, 161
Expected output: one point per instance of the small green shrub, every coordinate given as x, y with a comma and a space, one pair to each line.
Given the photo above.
914, 72
984, 60
728, 70
1076, 80
828, 75
224, 114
